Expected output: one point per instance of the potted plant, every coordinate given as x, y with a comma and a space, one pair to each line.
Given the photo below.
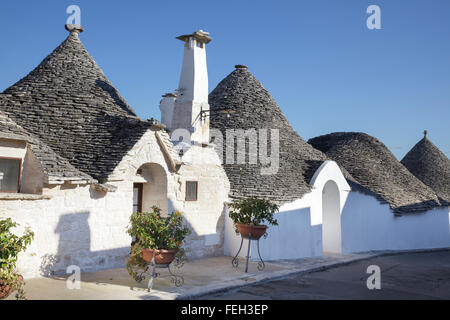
10, 247
155, 237
249, 215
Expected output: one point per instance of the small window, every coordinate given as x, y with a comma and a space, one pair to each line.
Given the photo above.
10, 174
137, 197
191, 190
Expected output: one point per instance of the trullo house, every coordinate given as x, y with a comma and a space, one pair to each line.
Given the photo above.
339, 193
388, 208
76, 161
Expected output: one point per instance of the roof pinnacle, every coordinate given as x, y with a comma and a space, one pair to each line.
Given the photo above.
74, 28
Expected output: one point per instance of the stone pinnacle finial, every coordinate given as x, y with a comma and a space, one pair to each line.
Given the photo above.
74, 28
425, 133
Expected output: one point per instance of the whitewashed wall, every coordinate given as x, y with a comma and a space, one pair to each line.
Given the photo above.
299, 233
354, 222
78, 225
82, 226
369, 225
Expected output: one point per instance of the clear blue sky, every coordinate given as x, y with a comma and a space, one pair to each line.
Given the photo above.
322, 65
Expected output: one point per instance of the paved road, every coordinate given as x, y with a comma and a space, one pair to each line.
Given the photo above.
403, 276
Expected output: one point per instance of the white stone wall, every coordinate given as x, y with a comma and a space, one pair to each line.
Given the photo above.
85, 227
362, 224
369, 225
78, 225
299, 233
32, 175
204, 216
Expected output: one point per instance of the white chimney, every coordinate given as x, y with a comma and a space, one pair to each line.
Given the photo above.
192, 95
166, 107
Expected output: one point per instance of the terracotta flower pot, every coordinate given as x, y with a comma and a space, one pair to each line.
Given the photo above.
5, 290
256, 231
162, 256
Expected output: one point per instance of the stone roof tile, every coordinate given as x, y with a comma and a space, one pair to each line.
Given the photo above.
68, 103
431, 166
377, 171
54, 166
255, 108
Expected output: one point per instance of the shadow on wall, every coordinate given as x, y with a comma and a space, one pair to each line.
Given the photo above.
204, 244
74, 248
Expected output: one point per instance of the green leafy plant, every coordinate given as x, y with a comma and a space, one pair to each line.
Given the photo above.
10, 247
253, 211
152, 231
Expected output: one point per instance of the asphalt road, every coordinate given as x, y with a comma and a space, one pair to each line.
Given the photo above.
402, 276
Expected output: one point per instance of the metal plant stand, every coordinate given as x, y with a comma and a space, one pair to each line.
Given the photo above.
177, 280
235, 261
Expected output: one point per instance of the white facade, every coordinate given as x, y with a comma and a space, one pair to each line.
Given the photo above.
299, 232
369, 225
166, 107
83, 224
331, 219
77, 224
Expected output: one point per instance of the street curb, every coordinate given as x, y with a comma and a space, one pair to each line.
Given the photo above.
282, 274
277, 275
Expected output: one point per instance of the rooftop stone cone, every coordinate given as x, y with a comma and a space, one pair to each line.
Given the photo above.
256, 109
431, 166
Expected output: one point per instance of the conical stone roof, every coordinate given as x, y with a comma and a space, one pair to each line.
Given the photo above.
430, 166
256, 109
68, 103
54, 166
377, 170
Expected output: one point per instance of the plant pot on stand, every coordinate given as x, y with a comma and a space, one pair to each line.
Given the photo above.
250, 232
248, 216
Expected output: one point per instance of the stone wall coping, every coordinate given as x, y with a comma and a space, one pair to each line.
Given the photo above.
23, 196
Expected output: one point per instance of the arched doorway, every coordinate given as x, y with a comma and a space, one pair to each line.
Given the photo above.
331, 218
150, 188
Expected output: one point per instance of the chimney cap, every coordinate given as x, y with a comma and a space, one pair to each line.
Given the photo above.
74, 28
200, 36
241, 66
170, 94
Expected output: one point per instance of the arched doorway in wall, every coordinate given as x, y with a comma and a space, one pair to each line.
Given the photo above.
331, 218
150, 188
